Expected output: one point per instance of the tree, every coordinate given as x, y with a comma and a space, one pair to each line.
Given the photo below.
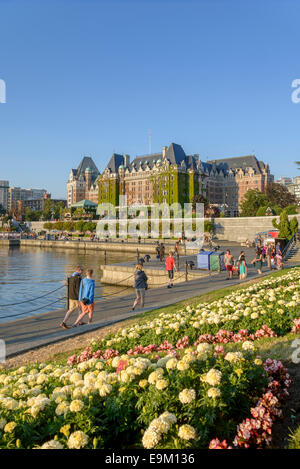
200, 199
252, 201
32, 215
284, 226
291, 209
277, 194
212, 211
294, 225
2, 210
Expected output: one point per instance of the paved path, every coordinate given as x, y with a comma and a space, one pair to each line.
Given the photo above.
25, 334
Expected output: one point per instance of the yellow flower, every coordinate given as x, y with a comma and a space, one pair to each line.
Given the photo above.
258, 361
143, 383
239, 372
65, 430
10, 426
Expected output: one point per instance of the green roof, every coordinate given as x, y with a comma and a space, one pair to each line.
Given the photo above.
84, 203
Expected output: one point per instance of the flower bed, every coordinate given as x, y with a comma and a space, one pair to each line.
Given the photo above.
274, 303
170, 403
167, 383
266, 309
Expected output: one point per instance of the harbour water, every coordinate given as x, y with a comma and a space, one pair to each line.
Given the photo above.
29, 273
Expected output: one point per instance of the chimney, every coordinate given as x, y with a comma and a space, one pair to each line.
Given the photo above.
126, 160
165, 149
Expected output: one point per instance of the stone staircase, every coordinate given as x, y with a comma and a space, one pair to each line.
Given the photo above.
293, 254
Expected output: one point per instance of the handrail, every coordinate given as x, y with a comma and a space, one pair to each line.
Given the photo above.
289, 244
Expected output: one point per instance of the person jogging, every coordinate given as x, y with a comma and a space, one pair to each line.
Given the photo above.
140, 285
170, 266
74, 285
229, 261
86, 298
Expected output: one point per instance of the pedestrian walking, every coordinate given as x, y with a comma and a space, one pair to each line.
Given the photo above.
157, 249
86, 298
242, 266
170, 266
268, 255
258, 261
161, 252
229, 262
140, 285
279, 257
74, 305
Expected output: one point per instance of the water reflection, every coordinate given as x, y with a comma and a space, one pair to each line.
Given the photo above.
27, 273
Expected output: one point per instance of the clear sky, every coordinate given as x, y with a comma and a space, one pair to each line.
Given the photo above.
88, 77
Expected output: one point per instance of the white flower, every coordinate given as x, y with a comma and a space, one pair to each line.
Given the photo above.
187, 396
213, 392
187, 432
213, 377
247, 345
52, 444
78, 440
150, 439
76, 405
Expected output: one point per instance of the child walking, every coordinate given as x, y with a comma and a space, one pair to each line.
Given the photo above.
86, 297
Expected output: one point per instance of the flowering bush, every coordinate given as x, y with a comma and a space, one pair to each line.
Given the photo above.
265, 309
173, 402
166, 383
256, 431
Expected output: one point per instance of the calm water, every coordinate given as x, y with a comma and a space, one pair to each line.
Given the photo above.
27, 273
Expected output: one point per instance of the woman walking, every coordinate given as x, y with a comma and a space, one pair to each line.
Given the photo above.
140, 285
242, 266
86, 298
258, 261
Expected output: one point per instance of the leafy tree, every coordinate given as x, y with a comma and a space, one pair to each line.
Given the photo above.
291, 209
79, 225
69, 226
252, 201
277, 194
294, 225
200, 199
208, 226
283, 226
32, 215
2, 210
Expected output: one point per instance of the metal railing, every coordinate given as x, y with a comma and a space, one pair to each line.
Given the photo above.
289, 246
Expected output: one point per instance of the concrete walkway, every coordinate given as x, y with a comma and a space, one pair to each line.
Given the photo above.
43, 329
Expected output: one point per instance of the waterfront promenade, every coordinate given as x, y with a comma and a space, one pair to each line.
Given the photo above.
43, 329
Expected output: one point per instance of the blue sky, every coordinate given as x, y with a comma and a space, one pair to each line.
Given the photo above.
88, 77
